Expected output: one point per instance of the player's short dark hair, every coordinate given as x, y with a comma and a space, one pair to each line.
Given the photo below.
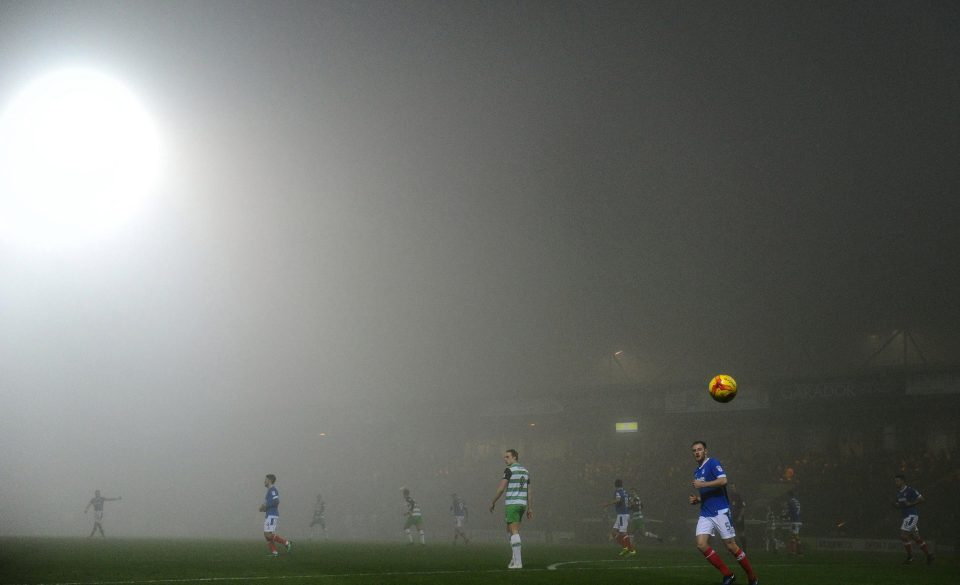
900, 476
514, 453
272, 478
695, 443
618, 483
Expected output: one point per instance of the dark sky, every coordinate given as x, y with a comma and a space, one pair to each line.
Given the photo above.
368, 208
495, 196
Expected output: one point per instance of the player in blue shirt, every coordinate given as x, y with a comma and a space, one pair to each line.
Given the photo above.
907, 501
271, 507
796, 523
621, 501
459, 510
710, 481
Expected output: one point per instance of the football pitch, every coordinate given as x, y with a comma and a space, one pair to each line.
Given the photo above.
133, 561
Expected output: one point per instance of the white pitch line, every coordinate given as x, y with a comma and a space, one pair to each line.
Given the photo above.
269, 577
554, 566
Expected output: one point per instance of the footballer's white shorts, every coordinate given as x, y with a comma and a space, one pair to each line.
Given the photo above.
270, 523
795, 527
719, 524
98, 515
459, 521
620, 524
910, 523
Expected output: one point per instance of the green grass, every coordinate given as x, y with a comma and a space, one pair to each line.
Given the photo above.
50, 561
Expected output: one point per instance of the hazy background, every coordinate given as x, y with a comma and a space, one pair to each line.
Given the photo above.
378, 220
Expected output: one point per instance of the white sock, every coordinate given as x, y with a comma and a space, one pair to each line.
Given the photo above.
515, 545
409, 535
423, 537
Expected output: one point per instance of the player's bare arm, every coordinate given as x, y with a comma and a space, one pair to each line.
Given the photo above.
529, 503
501, 487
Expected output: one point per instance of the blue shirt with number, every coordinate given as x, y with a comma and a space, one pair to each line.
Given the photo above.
907, 494
272, 501
713, 500
623, 501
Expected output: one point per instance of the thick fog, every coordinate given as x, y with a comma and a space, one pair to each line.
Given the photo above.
389, 236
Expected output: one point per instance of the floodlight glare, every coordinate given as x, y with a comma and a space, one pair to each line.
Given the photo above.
78, 156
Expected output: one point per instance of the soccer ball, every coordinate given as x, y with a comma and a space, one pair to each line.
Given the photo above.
723, 388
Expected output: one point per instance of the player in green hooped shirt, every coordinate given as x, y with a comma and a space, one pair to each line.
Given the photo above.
515, 487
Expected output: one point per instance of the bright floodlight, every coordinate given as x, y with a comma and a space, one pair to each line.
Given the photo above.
78, 156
